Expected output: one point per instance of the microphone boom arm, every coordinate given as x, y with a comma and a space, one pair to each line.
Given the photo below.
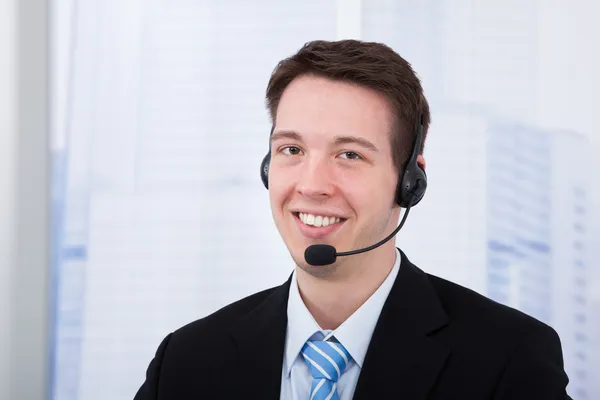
374, 246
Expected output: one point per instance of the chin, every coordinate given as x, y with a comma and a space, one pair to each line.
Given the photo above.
318, 271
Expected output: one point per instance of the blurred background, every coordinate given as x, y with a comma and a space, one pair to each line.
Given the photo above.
131, 135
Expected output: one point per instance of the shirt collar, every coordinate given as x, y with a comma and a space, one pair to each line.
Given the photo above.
354, 333
301, 325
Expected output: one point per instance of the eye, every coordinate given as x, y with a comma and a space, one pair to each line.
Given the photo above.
291, 150
351, 155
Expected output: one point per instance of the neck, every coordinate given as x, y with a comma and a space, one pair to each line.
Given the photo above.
332, 299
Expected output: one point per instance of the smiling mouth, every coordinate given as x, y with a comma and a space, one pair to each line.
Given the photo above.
318, 220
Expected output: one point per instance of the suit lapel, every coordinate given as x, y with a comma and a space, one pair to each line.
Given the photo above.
402, 360
260, 340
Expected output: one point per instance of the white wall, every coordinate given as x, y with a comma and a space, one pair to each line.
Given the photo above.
146, 91
23, 199
6, 184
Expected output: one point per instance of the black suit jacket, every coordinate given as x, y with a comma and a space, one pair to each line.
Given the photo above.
433, 340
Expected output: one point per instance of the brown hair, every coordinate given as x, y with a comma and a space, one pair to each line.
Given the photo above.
371, 65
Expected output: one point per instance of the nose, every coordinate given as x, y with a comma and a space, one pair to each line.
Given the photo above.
315, 178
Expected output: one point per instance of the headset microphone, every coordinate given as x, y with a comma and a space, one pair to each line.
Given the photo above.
409, 191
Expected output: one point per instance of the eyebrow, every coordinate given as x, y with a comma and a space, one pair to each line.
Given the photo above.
338, 140
356, 140
285, 135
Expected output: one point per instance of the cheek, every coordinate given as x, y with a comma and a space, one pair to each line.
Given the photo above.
279, 190
274, 196
362, 196
370, 189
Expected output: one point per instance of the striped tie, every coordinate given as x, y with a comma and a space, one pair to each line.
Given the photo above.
326, 362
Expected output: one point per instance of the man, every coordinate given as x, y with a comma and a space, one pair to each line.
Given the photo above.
347, 117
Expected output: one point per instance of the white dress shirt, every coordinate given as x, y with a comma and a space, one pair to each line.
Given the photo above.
354, 334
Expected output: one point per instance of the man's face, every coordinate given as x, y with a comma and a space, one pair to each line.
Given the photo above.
331, 178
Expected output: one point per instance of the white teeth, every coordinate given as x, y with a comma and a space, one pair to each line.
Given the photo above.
317, 220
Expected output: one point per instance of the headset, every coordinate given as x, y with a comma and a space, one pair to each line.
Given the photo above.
412, 183
410, 189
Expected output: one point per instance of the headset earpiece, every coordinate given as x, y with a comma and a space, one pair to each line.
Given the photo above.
413, 183
411, 188
264, 165
264, 169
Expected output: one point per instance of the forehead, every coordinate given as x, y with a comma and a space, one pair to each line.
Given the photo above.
321, 108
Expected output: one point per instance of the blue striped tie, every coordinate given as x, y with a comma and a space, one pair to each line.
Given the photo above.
326, 362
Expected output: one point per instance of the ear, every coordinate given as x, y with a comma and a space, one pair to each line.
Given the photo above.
421, 161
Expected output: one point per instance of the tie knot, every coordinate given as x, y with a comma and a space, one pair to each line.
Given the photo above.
325, 360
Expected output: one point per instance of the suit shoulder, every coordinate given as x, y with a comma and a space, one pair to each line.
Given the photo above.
465, 306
